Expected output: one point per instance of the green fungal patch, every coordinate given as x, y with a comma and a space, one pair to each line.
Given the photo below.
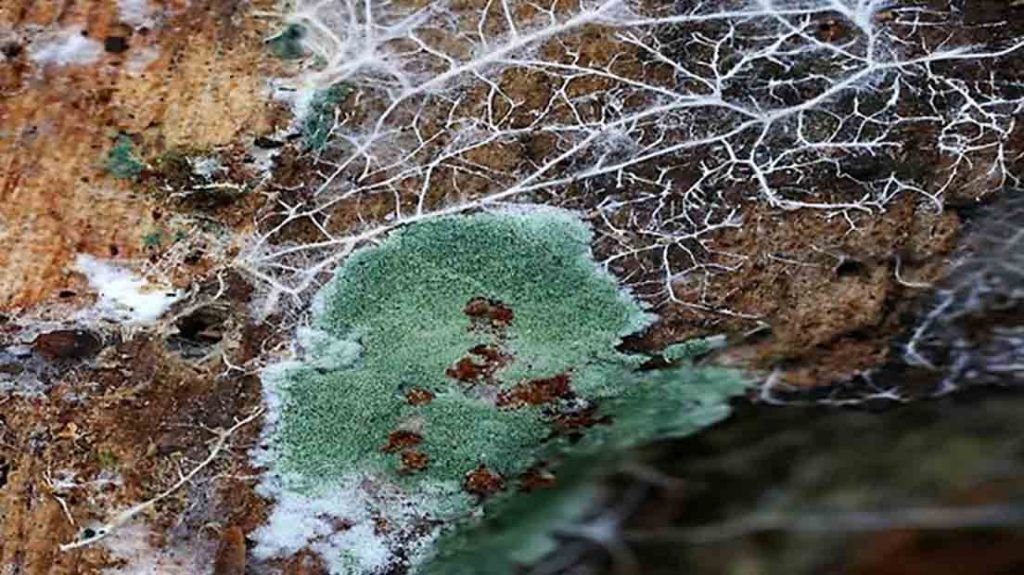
519, 529
318, 120
153, 239
287, 44
469, 309
122, 161
446, 363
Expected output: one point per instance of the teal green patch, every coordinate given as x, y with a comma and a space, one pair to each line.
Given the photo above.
692, 348
397, 319
153, 239
318, 121
403, 303
287, 44
518, 529
121, 160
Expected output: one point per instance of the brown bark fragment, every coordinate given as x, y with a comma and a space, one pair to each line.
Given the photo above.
231, 553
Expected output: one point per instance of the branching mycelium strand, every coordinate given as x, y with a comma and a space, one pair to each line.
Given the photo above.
658, 122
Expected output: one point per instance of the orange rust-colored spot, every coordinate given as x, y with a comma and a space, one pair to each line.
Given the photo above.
401, 439
480, 364
67, 344
413, 461
418, 396
488, 309
465, 370
536, 477
536, 392
574, 423
230, 558
491, 354
483, 482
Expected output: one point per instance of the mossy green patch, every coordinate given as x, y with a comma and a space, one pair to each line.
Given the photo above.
404, 303
287, 44
518, 529
318, 121
122, 162
153, 239
467, 341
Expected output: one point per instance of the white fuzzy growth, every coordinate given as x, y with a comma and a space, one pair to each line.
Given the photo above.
328, 352
339, 525
65, 48
123, 296
338, 521
206, 167
751, 98
140, 557
299, 521
136, 13
140, 59
298, 96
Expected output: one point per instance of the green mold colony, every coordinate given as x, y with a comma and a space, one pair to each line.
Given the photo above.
519, 529
122, 162
318, 121
287, 44
456, 355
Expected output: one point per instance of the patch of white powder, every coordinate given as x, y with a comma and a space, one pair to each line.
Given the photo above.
298, 97
133, 546
140, 58
339, 522
137, 13
340, 525
65, 48
123, 296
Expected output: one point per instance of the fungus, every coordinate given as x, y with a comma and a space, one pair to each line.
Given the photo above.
471, 348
